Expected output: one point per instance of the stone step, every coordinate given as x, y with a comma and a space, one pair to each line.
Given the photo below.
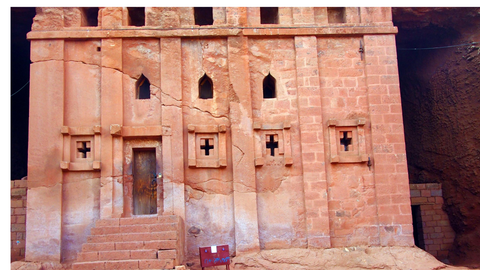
112, 255
137, 228
131, 245
129, 237
125, 264
139, 242
147, 219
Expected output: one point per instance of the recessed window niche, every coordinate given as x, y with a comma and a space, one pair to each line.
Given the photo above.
269, 15
207, 146
81, 148
347, 140
272, 143
205, 87
336, 15
203, 15
142, 88
136, 16
269, 87
89, 16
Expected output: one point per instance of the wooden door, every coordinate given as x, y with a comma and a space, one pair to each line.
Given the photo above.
144, 182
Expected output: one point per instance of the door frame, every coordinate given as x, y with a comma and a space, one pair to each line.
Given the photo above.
129, 145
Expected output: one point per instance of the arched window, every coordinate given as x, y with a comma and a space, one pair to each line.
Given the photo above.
142, 88
136, 16
269, 15
203, 15
269, 90
205, 87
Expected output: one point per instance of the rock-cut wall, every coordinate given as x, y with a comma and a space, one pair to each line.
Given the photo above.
260, 136
440, 101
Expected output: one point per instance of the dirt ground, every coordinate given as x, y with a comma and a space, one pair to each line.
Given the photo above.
352, 258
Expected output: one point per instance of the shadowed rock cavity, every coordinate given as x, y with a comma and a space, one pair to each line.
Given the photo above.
440, 101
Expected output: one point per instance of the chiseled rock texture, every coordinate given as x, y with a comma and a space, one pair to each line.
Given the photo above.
299, 143
348, 258
440, 101
356, 258
21, 265
439, 105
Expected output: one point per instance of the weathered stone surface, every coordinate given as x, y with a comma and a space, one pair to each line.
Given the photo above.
87, 52
48, 18
440, 104
242, 166
360, 257
39, 266
44, 224
44, 50
112, 17
78, 196
82, 80
165, 17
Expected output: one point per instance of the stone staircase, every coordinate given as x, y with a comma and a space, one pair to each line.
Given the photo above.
140, 242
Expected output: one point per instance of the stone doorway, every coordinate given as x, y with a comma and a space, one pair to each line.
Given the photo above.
144, 182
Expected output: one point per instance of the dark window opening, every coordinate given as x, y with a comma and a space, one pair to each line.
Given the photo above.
269, 15
336, 14
142, 88
83, 149
206, 145
203, 15
269, 90
205, 87
418, 227
90, 16
271, 144
136, 16
346, 140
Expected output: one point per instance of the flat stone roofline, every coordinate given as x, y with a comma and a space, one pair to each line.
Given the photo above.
151, 32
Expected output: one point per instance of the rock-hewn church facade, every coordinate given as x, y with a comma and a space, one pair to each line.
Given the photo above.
156, 131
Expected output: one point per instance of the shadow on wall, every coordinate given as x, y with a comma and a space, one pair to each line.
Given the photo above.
440, 98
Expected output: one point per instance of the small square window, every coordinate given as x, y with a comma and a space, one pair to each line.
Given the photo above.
347, 141
136, 16
336, 14
203, 15
207, 146
269, 15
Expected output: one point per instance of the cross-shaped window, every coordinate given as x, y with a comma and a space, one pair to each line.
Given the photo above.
206, 145
271, 144
83, 149
346, 140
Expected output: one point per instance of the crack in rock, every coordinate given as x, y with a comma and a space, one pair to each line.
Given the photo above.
243, 153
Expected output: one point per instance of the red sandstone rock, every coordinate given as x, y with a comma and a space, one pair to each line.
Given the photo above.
20, 265
440, 104
288, 167
341, 258
398, 258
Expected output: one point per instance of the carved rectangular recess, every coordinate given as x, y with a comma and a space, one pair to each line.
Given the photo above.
272, 139
347, 140
207, 147
138, 131
81, 148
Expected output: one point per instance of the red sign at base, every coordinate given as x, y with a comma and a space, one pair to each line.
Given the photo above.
214, 256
